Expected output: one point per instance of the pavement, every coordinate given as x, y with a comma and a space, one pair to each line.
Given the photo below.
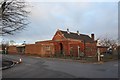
37, 67
7, 63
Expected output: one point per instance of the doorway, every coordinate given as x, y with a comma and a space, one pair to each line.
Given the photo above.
21, 50
61, 48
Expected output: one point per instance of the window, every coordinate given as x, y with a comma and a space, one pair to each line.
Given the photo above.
88, 49
47, 47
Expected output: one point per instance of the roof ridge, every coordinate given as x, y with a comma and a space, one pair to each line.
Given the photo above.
75, 33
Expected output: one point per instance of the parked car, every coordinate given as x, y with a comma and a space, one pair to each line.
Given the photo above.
109, 51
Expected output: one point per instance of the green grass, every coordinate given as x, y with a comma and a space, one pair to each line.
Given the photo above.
106, 58
90, 59
109, 57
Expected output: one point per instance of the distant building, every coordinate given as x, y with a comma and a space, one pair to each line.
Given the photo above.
103, 49
63, 42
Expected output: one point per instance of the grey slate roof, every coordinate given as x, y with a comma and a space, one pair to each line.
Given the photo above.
72, 35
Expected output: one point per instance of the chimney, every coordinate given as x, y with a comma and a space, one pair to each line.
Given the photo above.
78, 33
68, 31
92, 36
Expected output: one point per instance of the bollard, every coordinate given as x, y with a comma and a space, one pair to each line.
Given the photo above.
20, 61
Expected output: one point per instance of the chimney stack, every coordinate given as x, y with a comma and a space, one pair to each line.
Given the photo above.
68, 31
78, 33
92, 36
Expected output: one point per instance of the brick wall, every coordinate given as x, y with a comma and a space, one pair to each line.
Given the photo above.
32, 49
74, 46
58, 36
91, 49
102, 49
12, 50
40, 48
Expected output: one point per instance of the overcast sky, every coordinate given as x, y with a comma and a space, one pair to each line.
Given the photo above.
100, 18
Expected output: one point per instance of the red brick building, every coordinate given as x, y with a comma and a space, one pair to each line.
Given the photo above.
63, 42
68, 43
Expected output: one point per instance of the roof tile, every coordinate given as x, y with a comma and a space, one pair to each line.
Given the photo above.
72, 35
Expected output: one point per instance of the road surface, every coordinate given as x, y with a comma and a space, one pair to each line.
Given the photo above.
36, 67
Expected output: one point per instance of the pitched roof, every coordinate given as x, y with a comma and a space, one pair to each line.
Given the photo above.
72, 35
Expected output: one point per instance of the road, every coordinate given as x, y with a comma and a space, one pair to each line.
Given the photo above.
36, 67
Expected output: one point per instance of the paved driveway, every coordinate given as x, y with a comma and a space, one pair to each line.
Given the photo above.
36, 67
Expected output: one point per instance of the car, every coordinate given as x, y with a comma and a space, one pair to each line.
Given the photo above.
109, 51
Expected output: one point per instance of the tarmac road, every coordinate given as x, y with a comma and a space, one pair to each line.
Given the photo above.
36, 67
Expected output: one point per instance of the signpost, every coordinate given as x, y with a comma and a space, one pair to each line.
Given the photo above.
5, 50
98, 52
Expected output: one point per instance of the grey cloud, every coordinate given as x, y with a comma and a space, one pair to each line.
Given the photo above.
46, 18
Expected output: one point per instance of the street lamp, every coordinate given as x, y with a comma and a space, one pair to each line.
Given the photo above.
24, 42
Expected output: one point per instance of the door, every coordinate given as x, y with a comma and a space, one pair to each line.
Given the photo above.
61, 48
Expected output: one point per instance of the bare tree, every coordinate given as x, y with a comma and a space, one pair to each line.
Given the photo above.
107, 41
4, 45
13, 16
